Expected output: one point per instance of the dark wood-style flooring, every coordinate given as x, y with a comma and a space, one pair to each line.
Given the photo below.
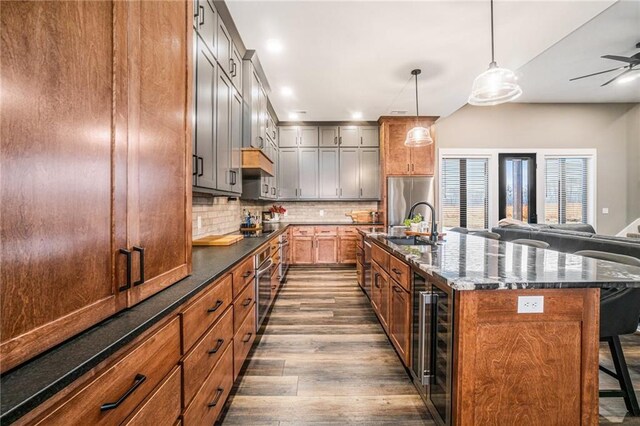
324, 359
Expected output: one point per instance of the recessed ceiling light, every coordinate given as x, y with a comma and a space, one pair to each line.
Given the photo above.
274, 45
628, 79
286, 92
293, 116
356, 115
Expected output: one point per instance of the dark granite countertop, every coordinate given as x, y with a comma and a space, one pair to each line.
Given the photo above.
468, 262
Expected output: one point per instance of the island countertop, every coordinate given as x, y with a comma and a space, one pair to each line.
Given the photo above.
469, 262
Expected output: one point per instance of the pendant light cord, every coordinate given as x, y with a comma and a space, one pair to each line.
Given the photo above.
417, 115
493, 61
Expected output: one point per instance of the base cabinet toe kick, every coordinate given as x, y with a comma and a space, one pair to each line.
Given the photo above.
490, 356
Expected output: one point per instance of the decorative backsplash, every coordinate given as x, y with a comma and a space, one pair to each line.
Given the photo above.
221, 215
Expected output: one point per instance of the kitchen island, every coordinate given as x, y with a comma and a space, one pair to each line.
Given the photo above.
495, 332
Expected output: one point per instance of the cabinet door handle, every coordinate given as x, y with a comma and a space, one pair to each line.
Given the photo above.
273, 190
195, 165
335, 140
201, 13
127, 253
397, 289
216, 306
413, 167
231, 67
217, 348
246, 274
234, 175
361, 140
266, 188
396, 271
408, 167
340, 140
141, 251
215, 401
247, 302
375, 280
336, 191
361, 192
139, 379
201, 171
247, 337
300, 192
341, 192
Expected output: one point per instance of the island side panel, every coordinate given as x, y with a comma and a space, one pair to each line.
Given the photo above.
512, 368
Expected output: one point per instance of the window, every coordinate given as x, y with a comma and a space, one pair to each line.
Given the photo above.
465, 192
566, 190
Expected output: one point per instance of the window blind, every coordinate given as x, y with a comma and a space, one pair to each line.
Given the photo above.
465, 192
566, 190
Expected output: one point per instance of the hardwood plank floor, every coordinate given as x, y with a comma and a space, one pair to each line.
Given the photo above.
324, 359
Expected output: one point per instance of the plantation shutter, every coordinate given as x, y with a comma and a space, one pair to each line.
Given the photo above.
566, 190
465, 192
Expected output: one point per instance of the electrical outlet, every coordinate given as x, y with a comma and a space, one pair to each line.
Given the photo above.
605, 210
321, 213
530, 304
199, 222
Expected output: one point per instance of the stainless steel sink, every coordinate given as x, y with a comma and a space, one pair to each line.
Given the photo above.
409, 241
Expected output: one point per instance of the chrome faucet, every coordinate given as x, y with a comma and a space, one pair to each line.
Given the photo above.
434, 227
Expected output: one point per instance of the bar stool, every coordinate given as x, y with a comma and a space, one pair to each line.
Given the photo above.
487, 234
531, 243
619, 312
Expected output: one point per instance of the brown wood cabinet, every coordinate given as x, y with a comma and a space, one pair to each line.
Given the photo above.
347, 249
302, 250
326, 250
88, 161
162, 407
380, 294
400, 160
400, 320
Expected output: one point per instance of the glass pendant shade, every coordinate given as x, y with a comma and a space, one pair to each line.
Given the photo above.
494, 86
418, 136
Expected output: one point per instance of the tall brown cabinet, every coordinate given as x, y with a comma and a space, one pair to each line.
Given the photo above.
94, 159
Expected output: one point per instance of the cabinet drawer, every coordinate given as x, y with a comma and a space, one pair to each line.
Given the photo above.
163, 407
348, 230
304, 231
203, 357
130, 380
242, 306
401, 272
201, 314
322, 231
274, 245
243, 340
380, 256
208, 402
243, 275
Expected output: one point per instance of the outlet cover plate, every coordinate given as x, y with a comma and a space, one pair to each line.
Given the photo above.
530, 304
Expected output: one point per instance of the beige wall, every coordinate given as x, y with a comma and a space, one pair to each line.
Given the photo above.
612, 129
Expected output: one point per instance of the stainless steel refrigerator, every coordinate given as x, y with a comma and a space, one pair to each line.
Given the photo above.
403, 192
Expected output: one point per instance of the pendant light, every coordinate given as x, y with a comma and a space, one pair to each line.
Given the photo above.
418, 136
496, 85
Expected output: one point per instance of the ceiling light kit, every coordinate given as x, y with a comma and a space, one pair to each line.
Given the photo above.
357, 115
418, 136
496, 85
287, 92
274, 45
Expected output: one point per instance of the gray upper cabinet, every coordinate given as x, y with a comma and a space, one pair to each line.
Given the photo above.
328, 136
328, 173
273, 180
308, 136
288, 137
225, 48
369, 136
308, 167
224, 91
205, 147
349, 173
206, 23
369, 173
288, 172
262, 117
251, 124
349, 136
236, 143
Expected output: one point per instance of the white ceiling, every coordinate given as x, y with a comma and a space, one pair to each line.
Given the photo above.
614, 32
340, 57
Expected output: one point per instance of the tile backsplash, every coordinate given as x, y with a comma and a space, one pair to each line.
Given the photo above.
220, 215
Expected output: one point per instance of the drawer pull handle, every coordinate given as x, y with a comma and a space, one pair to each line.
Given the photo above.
219, 393
140, 378
246, 274
217, 348
247, 337
397, 289
396, 271
216, 307
247, 302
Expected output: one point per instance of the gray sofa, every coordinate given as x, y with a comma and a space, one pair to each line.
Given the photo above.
571, 238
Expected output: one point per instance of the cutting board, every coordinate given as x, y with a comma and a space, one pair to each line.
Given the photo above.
217, 240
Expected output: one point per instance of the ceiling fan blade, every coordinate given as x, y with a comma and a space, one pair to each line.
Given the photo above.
596, 73
619, 58
616, 77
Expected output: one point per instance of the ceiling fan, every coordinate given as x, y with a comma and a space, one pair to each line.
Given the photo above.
633, 64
